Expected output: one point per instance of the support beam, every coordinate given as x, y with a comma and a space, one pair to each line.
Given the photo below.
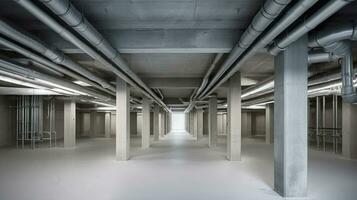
234, 117
122, 120
199, 123
156, 122
269, 123
107, 124
145, 135
349, 127
290, 120
159, 40
69, 129
212, 121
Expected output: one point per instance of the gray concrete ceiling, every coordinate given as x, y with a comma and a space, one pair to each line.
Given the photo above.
164, 39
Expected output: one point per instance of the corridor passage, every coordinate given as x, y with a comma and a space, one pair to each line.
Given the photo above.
176, 167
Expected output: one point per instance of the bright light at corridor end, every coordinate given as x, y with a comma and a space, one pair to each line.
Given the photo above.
178, 122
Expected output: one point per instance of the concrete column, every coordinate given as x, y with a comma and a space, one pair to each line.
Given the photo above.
145, 135
349, 127
199, 124
40, 115
212, 121
269, 123
133, 123
168, 122
249, 124
234, 117
192, 123
195, 124
107, 124
69, 130
162, 123
187, 120
93, 123
290, 120
156, 122
122, 120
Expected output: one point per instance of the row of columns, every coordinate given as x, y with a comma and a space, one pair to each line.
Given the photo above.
289, 125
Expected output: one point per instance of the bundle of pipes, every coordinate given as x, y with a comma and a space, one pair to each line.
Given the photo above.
336, 41
299, 8
14, 70
76, 20
54, 55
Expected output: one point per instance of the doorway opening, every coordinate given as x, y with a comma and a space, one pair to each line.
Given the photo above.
178, 122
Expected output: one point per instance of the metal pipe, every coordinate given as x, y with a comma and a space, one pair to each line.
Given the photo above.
318, 17
286, 20
320, 56
30, 62
46, 62
347, 91
333, 123
317, 123
266, 15
208, 74
50, 52
18, 70
123, 71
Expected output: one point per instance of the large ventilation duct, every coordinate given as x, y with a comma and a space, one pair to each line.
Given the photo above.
337, 40
348, 92
74, 18
289, 17
51, 53
69, 36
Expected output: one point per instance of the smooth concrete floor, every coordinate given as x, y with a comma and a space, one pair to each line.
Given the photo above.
177, 167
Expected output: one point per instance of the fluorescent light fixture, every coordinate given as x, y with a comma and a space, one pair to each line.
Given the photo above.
59, 90
81, 83
140, 107
101, 103
266, 86
254, 107
19, 82
61, 87
107, 108
325, 87
265, 103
